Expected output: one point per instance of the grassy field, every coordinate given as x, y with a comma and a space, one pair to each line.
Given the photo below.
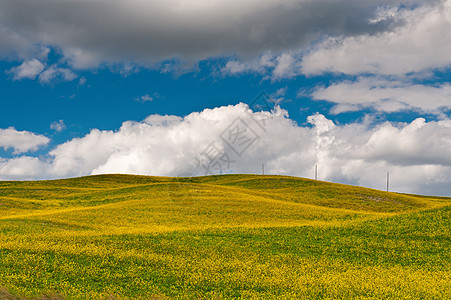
220, 237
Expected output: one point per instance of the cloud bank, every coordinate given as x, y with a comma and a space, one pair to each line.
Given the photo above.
100, 31
233, 139
416, 39
277, 40
422, 43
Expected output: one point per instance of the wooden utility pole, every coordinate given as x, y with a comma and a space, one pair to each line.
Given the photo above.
263, 169
316, 172
388, 180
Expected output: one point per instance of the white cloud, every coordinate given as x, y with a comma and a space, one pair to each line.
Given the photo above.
422, 43
54, 74
417, 154
284, 65
280, 92
385, 95
148, 98
166, 145
417, 143
21, 141
28, 69
22, 168
287, 66
278, 96
82, 81
257, 65
58, 126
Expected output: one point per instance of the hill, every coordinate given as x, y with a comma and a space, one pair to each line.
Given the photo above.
221, 237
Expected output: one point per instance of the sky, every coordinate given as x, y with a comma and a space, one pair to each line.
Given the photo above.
187, 88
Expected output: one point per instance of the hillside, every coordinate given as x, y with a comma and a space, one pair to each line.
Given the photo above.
230, 236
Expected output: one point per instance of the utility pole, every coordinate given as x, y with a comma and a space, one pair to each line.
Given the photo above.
316, 172
388, 180
263, 169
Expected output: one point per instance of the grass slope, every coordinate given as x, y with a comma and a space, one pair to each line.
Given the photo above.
220, 237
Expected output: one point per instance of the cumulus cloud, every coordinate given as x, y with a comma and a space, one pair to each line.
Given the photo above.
58, 126
385, 95
257, 65
422, 43
92, 32
284, 65
148, 97
54, 74
416, 154
28, 69
410, 144
21, 141
22, 168
82, 81
233, 139
168, 145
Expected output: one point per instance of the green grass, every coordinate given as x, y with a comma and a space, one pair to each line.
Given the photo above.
220, 237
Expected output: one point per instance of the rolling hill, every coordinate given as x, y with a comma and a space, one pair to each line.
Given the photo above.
220, 237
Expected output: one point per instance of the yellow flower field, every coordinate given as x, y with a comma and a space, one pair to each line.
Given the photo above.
220, 237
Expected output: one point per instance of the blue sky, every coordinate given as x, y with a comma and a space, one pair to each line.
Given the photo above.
359, 89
